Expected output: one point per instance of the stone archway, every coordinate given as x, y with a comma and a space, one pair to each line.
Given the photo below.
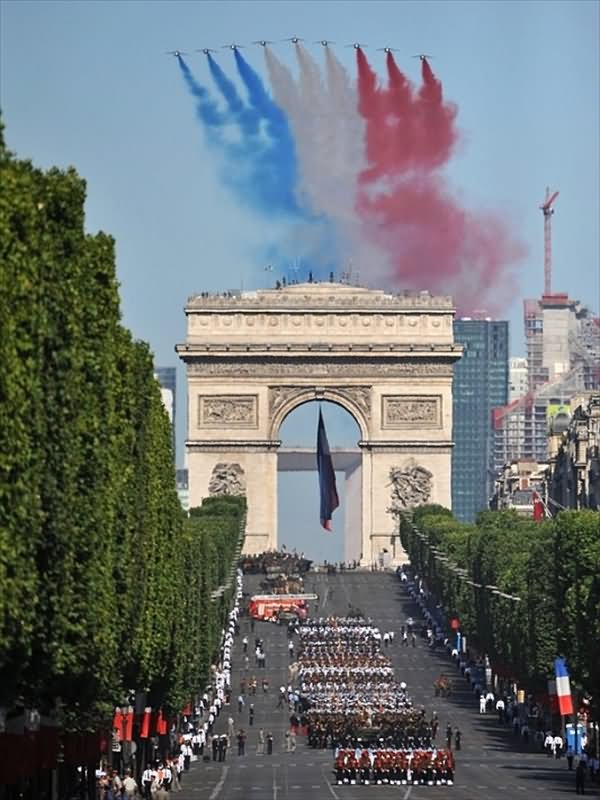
387, 359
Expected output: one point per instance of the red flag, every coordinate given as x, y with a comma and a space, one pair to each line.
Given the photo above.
538, 507
145, 729
118, 722
128, 725
161, 723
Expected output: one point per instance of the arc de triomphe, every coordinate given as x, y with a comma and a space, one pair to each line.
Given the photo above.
387, 359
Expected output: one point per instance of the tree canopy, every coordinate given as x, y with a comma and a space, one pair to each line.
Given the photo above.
105, 585
524, 591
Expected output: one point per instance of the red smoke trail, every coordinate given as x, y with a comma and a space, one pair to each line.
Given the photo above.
437, 133
434, 243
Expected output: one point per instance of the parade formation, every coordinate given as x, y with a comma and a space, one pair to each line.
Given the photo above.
350, 702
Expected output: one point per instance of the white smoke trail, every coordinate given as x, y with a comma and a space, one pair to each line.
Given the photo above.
329, 136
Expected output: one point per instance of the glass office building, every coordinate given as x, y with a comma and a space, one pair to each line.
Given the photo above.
167, 378
480, 384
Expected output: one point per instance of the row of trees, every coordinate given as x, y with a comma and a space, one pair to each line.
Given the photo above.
523, 591
104, 585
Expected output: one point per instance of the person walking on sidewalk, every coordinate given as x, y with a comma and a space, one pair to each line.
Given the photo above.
457, 739
580, 778
241, 740
260, 748
251, 714
269, 743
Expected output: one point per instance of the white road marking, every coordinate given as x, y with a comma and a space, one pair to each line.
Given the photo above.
329, 786
216, 791
275, 787
408, 791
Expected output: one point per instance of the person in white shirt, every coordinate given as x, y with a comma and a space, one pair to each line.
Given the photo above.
130, 786
500, 709
482, 704
558, 745
148, 776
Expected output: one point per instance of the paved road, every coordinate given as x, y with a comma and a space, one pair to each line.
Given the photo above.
490, 766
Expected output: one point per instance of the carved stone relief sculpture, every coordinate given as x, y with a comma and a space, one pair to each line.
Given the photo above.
227, 478
218, 411
400, 411
410, 486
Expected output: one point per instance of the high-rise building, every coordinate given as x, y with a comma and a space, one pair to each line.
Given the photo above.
517, 378
563, 359
480, 384
167, 378
183, 488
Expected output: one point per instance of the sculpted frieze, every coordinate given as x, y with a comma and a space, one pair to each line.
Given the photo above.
225, 411
401, 411
319, 369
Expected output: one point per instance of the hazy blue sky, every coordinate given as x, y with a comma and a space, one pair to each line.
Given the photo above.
88, 84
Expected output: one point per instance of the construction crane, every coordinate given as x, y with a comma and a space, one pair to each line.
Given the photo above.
547, 210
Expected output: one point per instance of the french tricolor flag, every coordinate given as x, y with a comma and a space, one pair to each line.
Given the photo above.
327, 487
563, 687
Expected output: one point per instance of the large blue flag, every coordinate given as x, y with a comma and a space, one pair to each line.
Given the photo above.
327, 488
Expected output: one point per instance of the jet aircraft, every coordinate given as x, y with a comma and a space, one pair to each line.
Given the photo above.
206, 50
175, 53
232, 46
325, 42
293, 39
263, 42
422, 56
387, 49
356, 45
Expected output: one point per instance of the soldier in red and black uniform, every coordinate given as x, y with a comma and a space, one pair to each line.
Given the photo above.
364, 766
339, 766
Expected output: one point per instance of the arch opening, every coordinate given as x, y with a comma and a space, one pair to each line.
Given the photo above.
299, 525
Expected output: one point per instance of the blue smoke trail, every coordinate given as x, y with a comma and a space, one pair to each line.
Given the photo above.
226, 87
206, 108
276, 158
260, 162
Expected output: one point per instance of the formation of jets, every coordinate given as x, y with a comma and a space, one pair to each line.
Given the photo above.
292, 40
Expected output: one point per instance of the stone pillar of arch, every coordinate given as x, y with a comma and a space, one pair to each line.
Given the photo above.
387, 359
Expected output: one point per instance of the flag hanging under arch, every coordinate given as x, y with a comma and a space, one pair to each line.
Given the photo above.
329, 496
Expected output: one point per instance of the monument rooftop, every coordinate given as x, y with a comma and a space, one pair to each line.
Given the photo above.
320, 295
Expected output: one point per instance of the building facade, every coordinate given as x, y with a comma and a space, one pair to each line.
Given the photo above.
563, 360
480, 384
573, 474
167, 379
